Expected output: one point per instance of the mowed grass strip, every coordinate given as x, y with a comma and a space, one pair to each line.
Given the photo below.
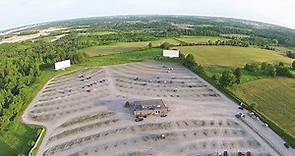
230, 56
274, 97
124, 47
114, 48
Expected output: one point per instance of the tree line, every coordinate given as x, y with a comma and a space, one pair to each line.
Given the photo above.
21, 65
231, 77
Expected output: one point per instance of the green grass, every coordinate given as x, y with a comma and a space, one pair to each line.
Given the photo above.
124, 47
236, 35
114, 48
275, 98
199, 39
103, 33
229, 56
35, 150
19, 138
120, 58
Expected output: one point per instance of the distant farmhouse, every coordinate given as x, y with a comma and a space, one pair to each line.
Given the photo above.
147, 107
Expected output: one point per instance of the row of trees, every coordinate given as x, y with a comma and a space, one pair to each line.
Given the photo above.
290, 54
217, 43
269, 69
231, 77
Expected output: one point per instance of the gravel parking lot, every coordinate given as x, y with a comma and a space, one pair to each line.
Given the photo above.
84, 114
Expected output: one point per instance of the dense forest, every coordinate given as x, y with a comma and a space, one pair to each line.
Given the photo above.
20, 66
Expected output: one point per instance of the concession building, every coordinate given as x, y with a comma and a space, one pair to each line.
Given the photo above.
148, 107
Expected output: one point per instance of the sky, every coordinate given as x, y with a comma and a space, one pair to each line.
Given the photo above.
15, 13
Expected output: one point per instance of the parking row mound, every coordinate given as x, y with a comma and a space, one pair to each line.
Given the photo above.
201, 130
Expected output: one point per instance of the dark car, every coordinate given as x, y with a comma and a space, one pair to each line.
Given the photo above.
241, 108
240, 154
163, 115
249, 153
286, 145
138, 119
225, 153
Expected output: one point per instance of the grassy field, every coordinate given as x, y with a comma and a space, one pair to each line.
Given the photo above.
283, 50
199, 39
229, 56
119, 58
104, 33
236, 35
274, 97
124, 47
20, 138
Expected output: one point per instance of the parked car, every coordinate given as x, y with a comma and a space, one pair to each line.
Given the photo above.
163, 115
265, 124
242, 115
286, 145
249, 153
138, 119
225, 153
241, 108
237, 115
240, 154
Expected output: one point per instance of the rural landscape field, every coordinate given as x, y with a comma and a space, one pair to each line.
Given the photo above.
231, 88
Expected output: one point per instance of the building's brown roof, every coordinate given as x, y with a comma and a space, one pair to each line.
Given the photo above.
149, 104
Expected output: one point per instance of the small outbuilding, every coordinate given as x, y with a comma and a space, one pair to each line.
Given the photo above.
148, 107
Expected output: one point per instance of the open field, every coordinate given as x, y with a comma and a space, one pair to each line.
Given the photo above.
236, 35
18, 38
283, 50
114, 48
275, 98
228, 56
124, 47
85, 115
199, 39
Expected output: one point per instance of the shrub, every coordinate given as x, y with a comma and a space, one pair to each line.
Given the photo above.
227, 79
165, 45
251, 67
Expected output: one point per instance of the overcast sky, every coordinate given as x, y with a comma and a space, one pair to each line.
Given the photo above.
15, 13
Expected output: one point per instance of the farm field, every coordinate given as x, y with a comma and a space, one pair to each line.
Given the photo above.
229, 56
235, 35
274, 97
199, 39
124, 47
283, 50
